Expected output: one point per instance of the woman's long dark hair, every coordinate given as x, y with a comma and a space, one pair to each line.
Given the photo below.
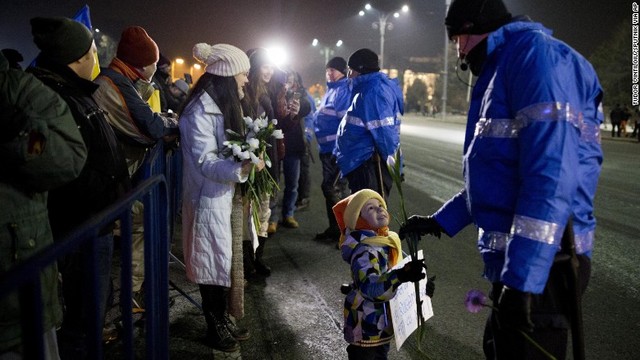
224, 92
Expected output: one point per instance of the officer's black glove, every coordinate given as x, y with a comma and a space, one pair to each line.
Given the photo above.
514, 309
422, 225
412, 271
431, 286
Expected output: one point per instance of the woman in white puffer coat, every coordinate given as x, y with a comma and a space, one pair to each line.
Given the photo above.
210, 232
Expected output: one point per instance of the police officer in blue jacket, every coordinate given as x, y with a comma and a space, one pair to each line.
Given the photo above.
532, 159
370, 131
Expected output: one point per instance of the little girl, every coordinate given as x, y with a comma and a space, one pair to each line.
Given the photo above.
371, 251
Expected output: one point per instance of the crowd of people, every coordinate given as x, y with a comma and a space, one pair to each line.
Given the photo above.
74, 144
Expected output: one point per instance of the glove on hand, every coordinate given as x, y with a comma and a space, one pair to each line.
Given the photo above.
412, 271
514, 309
422, 225
431, 286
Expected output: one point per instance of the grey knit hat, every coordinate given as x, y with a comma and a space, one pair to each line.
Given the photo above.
221, 59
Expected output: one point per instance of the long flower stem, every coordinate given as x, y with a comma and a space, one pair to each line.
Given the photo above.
536, 345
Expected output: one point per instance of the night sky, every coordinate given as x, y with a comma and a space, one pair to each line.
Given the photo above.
177, 25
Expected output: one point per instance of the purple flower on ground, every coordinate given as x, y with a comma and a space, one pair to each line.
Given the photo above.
475, 301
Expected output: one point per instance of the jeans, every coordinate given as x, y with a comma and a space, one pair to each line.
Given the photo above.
304, 183
291, 170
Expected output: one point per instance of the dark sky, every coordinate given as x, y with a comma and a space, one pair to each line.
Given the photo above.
177, 25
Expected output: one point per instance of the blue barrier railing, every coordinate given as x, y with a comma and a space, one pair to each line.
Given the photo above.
160, 197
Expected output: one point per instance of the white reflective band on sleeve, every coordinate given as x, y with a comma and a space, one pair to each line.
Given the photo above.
537, 230
493, 240
326, 139
354, 121
584, 242
329, 112
553, 111
371, 124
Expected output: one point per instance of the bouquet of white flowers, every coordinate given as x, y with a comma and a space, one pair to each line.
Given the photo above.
253, 145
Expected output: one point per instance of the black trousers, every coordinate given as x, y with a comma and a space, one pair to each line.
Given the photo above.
334, 187
549, 314
367, 176
214, 303
379, 352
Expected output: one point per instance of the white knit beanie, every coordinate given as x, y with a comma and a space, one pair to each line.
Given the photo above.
221, 59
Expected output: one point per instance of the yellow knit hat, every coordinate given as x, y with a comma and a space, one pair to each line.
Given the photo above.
347, 210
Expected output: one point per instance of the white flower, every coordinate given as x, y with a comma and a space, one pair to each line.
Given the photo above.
248, 121
253, 144
277, 133
254, 158
236, 150
274, 122
245, 155
391, 161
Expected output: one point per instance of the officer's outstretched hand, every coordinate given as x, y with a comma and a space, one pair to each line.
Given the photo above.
514, 309
422, 225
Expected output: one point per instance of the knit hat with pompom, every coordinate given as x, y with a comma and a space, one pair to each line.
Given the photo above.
221, 59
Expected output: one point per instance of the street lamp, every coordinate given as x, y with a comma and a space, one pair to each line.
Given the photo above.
326, 50
383, 24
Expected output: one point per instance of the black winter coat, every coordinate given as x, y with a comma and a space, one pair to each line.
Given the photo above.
105, 177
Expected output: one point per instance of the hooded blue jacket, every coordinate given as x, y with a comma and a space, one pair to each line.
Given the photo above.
332, 109
532, 155
372, 123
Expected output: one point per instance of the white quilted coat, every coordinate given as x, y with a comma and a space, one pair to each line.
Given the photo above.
209, 182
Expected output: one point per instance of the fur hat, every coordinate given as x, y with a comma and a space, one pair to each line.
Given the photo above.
338, 63
221, 59
61, 39
364, 61
476, 17
137, 48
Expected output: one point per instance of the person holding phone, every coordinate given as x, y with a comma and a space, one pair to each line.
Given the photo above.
294, 144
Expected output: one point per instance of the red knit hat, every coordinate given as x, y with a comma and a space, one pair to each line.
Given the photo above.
137, 48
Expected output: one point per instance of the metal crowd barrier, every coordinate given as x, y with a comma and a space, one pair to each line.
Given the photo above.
160, 199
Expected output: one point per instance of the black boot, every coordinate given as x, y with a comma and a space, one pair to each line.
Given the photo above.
247, 259
237, 332
214, 307
219, 337
261, 267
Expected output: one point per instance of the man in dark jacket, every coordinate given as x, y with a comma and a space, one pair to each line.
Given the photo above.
32, 164
65, 64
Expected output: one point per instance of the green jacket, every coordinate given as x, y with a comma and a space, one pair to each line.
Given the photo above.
40, 148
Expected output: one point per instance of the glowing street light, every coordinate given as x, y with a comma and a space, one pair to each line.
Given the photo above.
383, 24
177, 67
326, 50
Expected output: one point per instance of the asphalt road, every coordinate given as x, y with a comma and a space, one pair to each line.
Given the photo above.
297, 312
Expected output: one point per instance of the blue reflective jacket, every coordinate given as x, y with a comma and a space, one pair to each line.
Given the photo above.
532, 155
372, 122
332, 109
